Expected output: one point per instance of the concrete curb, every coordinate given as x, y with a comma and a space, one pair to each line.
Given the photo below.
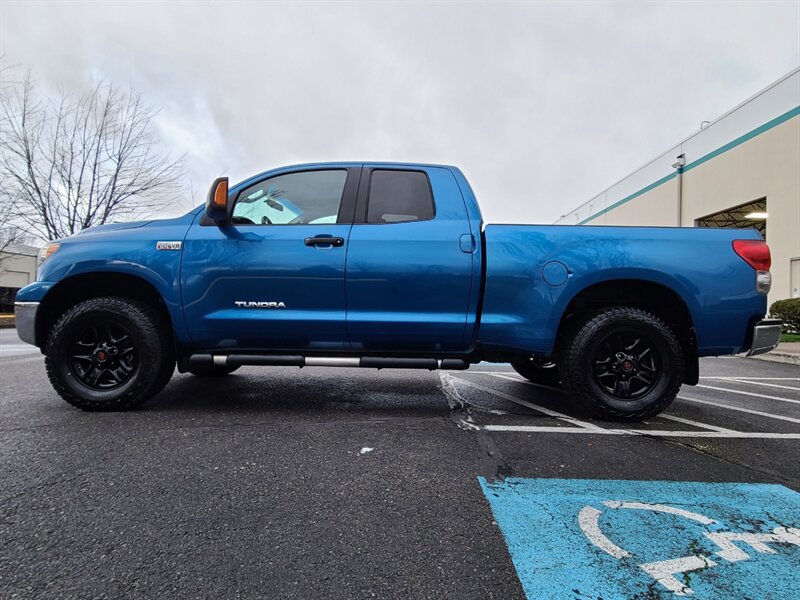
789, 358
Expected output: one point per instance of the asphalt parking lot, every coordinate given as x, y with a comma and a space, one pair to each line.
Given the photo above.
398, 484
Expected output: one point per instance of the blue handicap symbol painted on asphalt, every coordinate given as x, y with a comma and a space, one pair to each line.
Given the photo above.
582, 539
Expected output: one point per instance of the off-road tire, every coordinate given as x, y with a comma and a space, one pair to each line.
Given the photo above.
211, 370
539, 372
148, 336
582, 359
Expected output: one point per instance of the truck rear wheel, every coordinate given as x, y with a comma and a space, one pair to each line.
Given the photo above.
109, 354
539, 371
623, 364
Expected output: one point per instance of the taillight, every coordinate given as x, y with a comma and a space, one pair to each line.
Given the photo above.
754, 252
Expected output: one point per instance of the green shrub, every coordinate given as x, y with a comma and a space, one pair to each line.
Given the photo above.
789, 311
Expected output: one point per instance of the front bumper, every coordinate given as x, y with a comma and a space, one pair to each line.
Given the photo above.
25, 317
766, 336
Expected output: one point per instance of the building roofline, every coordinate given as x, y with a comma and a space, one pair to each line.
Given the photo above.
713, 122
20, 250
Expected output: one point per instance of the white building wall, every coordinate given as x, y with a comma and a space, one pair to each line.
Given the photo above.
17, 266
751, 152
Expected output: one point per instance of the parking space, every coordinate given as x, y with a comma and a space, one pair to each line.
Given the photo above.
719, 407
619, 539
354, 483
653, 487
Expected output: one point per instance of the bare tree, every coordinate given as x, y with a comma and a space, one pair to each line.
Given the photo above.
10, 237
9, 233
68, 163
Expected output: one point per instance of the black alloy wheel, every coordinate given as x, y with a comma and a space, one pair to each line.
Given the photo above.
621, 363
103, 355
110, 353
626, 364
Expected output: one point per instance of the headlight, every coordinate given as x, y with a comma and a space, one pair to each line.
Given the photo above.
47, 251
44, 253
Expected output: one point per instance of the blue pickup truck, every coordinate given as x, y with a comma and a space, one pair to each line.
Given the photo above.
390, 266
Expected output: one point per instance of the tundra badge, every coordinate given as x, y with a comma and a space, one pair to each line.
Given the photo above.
256, 304
169, 245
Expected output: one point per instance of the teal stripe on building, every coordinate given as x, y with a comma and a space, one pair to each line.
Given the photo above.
721, 150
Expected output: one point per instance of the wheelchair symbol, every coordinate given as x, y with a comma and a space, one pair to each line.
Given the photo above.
664, 571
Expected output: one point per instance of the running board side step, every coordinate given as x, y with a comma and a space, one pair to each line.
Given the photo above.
367, 362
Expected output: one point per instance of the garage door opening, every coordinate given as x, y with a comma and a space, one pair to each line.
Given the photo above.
745, 216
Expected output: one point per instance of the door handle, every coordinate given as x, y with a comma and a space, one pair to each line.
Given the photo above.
324, 240
467, 243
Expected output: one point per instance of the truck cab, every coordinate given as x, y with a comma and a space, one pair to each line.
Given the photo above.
335, 258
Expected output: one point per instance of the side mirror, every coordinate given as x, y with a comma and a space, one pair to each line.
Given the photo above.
217, 201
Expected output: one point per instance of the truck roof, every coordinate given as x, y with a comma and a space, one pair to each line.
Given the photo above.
354, 163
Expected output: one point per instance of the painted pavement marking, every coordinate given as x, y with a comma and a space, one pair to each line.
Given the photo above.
520, 379
755, 378
693, 423
758, 435
686, 514
584, 428
536, 407
749, 411
589, 522
743, 393
632, 539
664, 571
747, 381
709, 387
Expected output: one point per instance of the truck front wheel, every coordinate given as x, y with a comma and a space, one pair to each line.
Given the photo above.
623, 364
109, 354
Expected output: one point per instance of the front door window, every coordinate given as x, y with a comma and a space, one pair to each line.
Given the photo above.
307, 198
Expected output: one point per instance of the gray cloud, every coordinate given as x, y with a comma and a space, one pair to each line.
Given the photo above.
542, 105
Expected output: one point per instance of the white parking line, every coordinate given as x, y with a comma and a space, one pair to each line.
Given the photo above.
749, 411
587, 428
743, 380
645, 432
520, 379
720, 389
758, 378
471, 372
551, 429
536, 407
695, 423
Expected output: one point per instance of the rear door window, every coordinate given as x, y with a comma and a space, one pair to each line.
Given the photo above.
399, 197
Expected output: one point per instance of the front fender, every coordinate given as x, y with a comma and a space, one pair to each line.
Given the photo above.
134, 256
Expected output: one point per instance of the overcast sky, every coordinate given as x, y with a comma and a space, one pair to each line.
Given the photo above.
542, 105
